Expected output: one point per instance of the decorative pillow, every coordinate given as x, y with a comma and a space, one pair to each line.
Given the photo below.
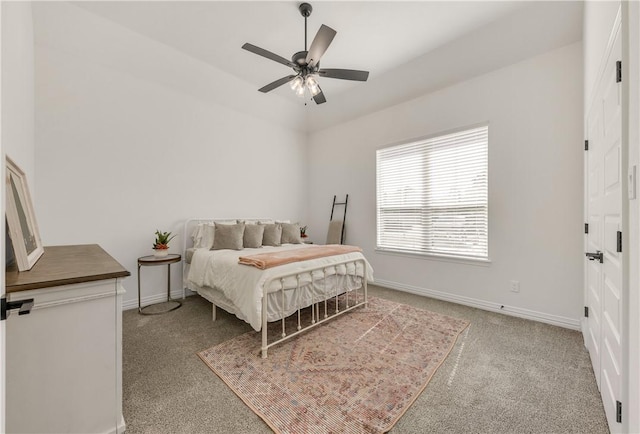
253, 235
291, 233
196, 235
208, 232
228, 236
272, 235
202, 236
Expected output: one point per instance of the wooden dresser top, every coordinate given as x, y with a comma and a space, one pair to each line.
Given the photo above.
66, 265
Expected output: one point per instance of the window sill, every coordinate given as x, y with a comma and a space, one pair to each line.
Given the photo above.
443, 258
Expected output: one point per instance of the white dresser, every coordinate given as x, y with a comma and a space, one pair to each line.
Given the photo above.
64, 359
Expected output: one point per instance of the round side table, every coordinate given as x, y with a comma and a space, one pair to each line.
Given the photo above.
152, 261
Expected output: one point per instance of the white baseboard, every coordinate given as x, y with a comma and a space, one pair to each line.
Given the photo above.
151, 299
119, 429
560, 321
459, 299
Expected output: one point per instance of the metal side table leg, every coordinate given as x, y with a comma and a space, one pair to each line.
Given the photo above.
139, 298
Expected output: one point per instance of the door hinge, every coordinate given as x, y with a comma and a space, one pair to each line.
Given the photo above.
586, 311
25, 307
586, 228
618, 412
619, 242
618, 71
586, 145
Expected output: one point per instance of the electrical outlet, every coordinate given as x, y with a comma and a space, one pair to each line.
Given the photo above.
514, 286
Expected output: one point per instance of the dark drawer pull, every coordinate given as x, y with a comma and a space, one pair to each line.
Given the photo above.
25, 307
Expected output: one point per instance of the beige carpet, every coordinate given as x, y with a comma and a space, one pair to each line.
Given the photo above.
357, 373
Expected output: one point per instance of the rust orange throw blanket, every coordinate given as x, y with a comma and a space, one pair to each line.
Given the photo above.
273, 259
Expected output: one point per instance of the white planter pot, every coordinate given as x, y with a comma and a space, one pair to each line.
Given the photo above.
159, 253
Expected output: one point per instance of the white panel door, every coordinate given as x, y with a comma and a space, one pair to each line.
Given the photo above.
604, 196
2, 277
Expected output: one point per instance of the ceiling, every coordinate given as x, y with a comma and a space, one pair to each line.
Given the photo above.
393, 40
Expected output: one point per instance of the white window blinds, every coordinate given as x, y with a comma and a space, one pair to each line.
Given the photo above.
432, 195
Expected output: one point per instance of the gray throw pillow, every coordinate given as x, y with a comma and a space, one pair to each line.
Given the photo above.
272, 235
228, 236
291, 233
253, 236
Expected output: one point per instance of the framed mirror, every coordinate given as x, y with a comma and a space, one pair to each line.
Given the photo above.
23, 229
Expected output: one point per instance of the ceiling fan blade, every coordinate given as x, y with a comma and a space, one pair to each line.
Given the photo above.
268, 54
320, 44
277, 83
319, 98
345, 74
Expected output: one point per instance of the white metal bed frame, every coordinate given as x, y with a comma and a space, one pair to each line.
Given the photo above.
316, 304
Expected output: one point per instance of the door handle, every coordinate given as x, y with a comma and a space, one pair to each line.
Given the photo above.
593, 256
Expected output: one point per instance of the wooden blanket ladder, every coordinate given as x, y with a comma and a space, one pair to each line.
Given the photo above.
337, 226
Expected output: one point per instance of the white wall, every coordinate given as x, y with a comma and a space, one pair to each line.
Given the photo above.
535, 186
17, 86
120, 153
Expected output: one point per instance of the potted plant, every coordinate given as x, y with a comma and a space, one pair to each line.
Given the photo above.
161, 245
303, 232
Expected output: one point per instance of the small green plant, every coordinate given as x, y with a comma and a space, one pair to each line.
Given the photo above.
303, 231
162, 240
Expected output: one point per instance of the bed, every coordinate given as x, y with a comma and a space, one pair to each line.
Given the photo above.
328, 285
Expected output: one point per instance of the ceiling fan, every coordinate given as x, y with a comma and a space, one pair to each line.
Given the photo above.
306, 64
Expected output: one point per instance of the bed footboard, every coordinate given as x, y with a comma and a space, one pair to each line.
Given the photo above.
345, 300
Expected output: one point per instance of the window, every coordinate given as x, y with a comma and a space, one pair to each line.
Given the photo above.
432, 195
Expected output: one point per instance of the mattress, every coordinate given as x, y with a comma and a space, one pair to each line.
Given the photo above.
188, 254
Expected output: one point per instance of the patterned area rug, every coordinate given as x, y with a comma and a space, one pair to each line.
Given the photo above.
356, 374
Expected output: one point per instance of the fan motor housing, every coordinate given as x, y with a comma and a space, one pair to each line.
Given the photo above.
299, 58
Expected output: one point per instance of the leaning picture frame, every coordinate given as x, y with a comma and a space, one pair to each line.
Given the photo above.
21, 219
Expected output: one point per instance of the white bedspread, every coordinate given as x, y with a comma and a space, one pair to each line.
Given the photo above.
244, 285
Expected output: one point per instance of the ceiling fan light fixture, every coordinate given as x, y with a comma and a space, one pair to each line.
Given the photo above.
312, 84
296, 83
300, 91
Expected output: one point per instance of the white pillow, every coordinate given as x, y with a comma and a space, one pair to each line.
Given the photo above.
208, 230
196, 235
